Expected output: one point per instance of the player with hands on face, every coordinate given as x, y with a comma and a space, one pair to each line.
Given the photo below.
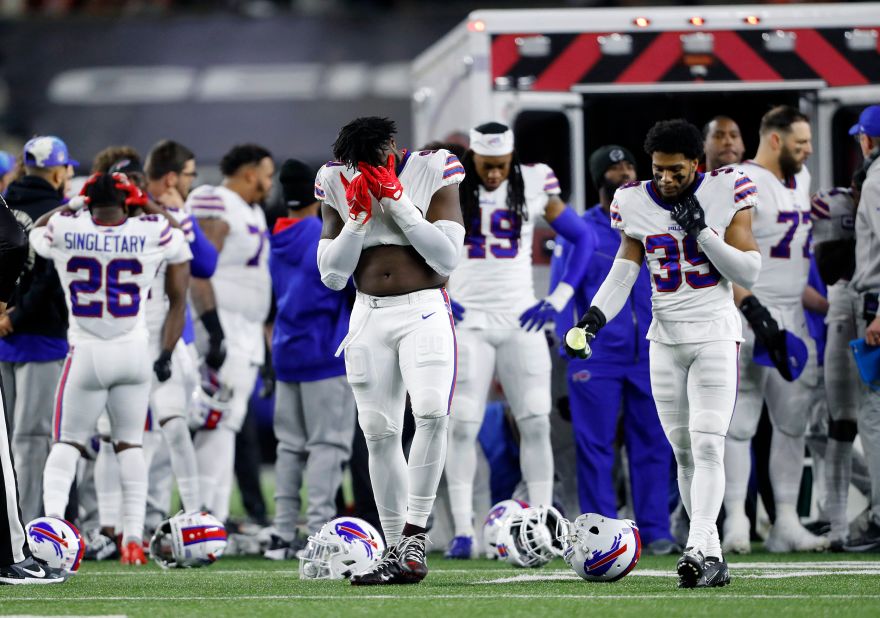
694, 230
392, 221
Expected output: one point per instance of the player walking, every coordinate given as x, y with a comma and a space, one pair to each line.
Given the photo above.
781, 228
392, 219
695, 232
107, 262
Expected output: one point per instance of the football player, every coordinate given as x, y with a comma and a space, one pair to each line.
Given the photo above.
233, 303
722, 142
774, 304
833, 215
500, 323
107, 262
695, 232
392, 219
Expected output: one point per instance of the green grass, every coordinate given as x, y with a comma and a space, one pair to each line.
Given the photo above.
830, 584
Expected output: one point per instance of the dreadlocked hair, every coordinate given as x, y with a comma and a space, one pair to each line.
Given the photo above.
362, 140
469, 194
101, 191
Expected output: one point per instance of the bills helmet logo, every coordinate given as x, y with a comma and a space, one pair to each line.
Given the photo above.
43, 532
500, 511
600, 562
350, 532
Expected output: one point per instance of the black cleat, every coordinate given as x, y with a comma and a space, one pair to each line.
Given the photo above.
413, 562
32, 571
869, 540
99, 546
386, 571
690, 568
715, 573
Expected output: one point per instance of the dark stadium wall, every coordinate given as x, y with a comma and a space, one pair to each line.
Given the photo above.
209, 82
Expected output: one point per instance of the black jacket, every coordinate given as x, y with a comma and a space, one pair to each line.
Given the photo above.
39, 303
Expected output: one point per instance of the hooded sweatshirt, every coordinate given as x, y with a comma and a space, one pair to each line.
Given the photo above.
311, 319
39, 321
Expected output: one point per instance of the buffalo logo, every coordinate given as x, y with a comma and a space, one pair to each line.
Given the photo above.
600, 562
350, 532
494, 140
581, 376
616, 155
43, 533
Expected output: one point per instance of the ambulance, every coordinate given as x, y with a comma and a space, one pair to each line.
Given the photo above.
571, 80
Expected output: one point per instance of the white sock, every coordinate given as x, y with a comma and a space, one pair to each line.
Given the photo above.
426, 458
388, 475
536, 459
183, 462
786, 514
461, 466
57, 477
108, 487
215, 452
133, 477
707, 489
838, 472
737, 468
786, 466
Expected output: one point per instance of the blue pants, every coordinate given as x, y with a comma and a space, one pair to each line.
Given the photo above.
597, 392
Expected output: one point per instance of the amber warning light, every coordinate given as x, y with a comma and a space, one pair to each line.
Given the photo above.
642, 22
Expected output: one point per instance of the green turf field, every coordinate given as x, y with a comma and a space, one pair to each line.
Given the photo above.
808, 585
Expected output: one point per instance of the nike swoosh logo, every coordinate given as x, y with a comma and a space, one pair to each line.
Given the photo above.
38, 573
425, 317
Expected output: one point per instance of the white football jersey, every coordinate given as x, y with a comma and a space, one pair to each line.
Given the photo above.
157, 301
422, 173
687, 289
495, 273
834, 215
241, 282
781, 226
107, 270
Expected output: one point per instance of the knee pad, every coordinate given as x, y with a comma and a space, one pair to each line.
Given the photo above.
707, 447
534, 428
466, 410
176, 433
680, 441
708, 422
843, 431
429, 402
464, 432
536, 402
376, 425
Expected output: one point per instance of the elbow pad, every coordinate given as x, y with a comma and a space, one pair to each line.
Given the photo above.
444, 259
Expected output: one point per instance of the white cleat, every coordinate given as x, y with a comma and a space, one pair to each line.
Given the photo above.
789, 535
737, 535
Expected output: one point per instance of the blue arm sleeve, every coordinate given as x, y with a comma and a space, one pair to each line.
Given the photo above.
569, 225
205, 255
579, 255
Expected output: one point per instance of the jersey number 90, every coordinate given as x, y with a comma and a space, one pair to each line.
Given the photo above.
669, 258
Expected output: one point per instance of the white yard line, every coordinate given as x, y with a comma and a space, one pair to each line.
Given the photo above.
359, 598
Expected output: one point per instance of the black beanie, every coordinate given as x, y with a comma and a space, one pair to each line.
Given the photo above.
605, 157
297, 184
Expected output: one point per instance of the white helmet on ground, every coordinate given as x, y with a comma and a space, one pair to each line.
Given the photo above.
601, 549
532, 537
343, 547
56, 542
188, 540
495, 521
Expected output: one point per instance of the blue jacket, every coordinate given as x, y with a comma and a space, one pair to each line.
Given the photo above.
312, 319
622, 340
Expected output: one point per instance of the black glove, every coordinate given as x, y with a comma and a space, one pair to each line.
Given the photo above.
689, 215
162, 366
767, 331
267, 376
216, 346
590, 324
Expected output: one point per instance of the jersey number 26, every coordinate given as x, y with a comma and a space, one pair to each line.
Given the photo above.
117, 291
